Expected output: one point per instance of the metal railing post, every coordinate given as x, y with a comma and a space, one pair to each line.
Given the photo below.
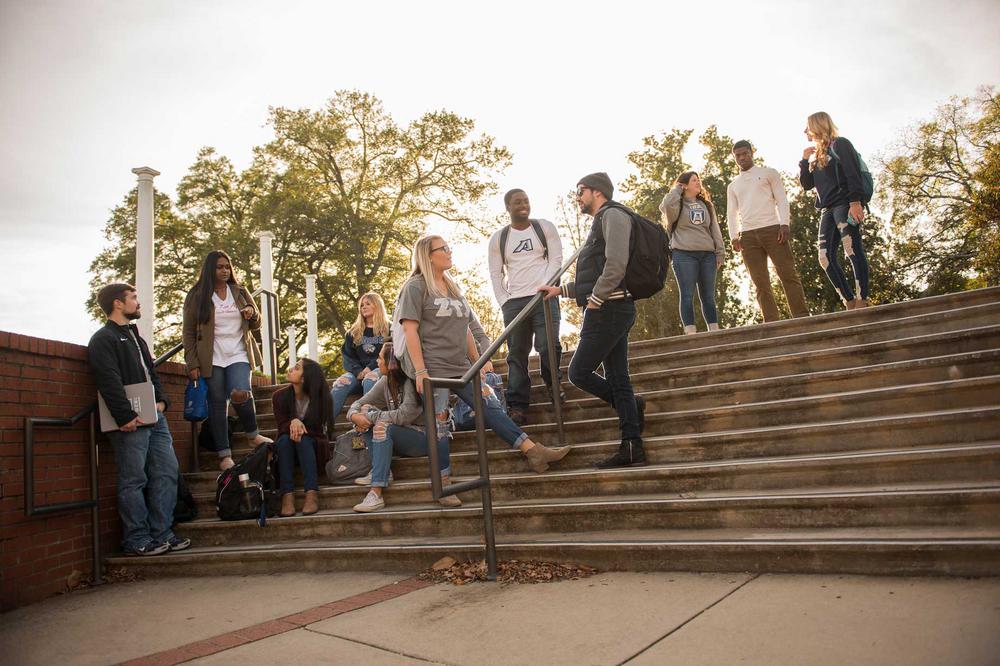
430, 428
484, 474
95, 510
554, 362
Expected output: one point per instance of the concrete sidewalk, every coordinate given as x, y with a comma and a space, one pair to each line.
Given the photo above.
635, 618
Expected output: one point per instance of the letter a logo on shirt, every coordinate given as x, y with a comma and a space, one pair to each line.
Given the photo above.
524, 246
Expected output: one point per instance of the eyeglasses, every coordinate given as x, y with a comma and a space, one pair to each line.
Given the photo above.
580, 190
444, 248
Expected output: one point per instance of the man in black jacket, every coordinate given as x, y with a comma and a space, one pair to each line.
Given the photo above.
144, 452
608, 317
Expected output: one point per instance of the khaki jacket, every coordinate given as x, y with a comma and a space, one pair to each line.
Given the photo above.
199, 338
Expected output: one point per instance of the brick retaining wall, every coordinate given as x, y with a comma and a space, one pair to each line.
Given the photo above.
47, 378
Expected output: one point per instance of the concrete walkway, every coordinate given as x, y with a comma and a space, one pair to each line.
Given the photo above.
634, 618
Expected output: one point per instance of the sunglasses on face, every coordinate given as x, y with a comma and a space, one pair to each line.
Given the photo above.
444, 248
580, 190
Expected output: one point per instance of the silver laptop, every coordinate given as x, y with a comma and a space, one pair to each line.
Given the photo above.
143, 400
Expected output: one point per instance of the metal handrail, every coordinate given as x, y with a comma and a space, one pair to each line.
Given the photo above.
473, 375
30, 510
273, 322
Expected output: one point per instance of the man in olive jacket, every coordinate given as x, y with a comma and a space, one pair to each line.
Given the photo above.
144, 452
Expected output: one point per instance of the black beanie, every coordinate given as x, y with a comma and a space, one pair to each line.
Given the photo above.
599, 181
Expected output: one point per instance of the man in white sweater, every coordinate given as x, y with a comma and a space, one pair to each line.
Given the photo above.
758, 219
523, 255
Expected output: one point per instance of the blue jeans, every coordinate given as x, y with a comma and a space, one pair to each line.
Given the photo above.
347, 384
833, 228
696, 269
222, 382
147, 482
384, 439
604, 340
305, 450
519, 346
494, 415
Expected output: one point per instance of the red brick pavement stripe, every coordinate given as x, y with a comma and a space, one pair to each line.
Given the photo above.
280, 625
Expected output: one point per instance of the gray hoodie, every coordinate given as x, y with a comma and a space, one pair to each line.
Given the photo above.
697, 229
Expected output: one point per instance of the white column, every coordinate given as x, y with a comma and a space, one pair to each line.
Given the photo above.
144, 253
312, 328
292, 356
266, 282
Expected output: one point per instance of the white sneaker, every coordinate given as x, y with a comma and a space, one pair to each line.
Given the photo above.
367, 480
371, 502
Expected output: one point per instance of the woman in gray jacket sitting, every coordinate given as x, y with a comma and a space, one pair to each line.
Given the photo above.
696, 241
391, 416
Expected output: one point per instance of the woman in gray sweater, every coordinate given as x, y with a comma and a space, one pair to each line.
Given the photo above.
696, 241
391, 418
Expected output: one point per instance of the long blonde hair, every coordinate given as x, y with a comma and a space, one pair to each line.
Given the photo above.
380, 321
422, 266
821, 126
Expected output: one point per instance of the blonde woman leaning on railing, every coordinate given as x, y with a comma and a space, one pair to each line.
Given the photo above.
435, 320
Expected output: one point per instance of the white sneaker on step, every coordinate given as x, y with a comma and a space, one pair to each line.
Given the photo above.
371, 502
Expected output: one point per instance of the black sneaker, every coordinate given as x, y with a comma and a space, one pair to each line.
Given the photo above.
630, 453
151, 548
562, 396
640, 406
178, 543
519, 415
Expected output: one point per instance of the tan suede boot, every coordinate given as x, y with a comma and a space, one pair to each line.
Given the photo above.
287, 505
311, 504
540, 456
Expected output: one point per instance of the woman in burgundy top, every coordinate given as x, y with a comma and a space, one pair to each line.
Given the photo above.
303, 411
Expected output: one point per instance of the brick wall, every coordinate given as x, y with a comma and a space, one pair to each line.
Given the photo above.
47, 378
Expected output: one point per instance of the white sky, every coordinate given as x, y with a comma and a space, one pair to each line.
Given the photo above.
89, 90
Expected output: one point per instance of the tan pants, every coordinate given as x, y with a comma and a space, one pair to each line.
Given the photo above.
758, 246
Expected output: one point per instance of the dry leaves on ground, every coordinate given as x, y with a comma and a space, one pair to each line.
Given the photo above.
447, 570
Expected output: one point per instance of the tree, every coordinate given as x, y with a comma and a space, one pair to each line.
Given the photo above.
937, 183
345, 190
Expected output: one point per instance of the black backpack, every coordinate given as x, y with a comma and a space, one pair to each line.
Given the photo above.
648, 257
505, 234
259, 499
186, 509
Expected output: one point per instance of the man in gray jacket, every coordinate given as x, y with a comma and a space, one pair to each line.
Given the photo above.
608, 317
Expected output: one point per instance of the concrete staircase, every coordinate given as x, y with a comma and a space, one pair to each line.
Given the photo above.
855, 442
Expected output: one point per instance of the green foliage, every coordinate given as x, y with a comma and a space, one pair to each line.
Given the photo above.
346, 192
939, 182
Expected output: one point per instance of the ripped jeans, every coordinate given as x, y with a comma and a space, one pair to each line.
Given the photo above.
494, 415
833, 228
347, 384
385, 439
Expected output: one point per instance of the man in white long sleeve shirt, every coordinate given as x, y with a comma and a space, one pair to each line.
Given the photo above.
758, 219
523, 255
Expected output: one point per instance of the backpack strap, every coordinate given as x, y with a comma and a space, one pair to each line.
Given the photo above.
537, 226
505, 234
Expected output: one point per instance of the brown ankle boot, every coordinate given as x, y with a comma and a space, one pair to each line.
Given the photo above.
540, 456
311, 504
287, 505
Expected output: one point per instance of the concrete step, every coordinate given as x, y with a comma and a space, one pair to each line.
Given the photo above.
867, 551
779, 365
961, 463
935, 428
912, 398
810, 340
945, 505
790, 326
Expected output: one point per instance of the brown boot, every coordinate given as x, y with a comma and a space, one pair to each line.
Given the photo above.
287, 505
539, 456
311, 504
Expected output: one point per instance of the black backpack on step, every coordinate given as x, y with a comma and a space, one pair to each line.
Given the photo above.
257, 500
648, 255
